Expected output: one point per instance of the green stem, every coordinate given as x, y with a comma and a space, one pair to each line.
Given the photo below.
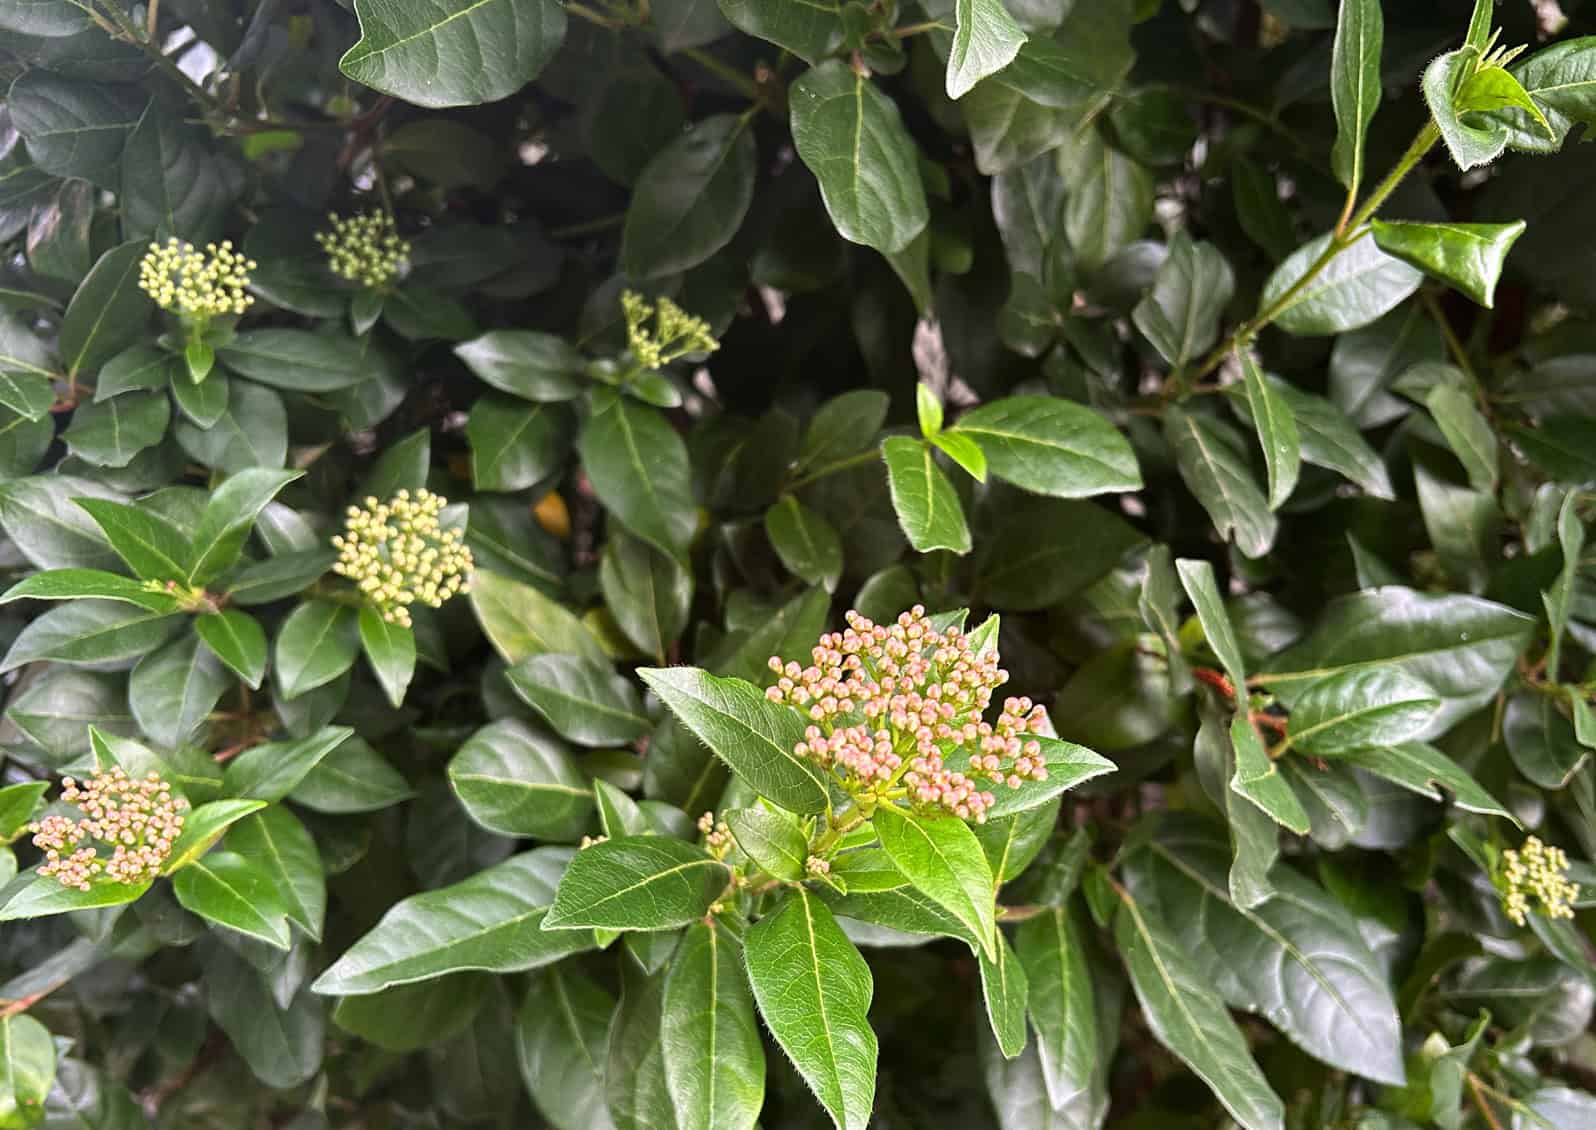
833, 467
837, 831
907, 30
1236, 105
744, 85
1339, 242
582, 11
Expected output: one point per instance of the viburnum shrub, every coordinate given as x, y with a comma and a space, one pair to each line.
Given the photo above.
686, 565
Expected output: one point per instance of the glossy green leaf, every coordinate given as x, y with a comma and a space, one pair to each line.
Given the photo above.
1469, 256
714, 1060
1359, 708
639, 470
985, 40
391, 651
39, 897
273, 770
1329, 439
927, 506
316, 644
1068, 765
238, 640
296, 360
1544, 745
1297, 959
752, 735
560, 1036
636, 883
27, 1069
73, 584
352, 778
942, 858
1357, 285
1189, 1017
850, 135
1259, 780
1004, 988
1425, 770
153, 547
814, 990
203, 827
253, 432
1561, 81
517, 781
1197, 578
1052, 446
283, 1046
1460, 646
807, 545
1276, 426
773, 840
109, 433
1467, 433
1110, 201
453, 52
1051, 949
235, 893
100, 634
648, 592
534, 366
520, 621
1355, 85
1180, 314
691, 198
72, 127
276, 840
491, 921
228, 518
583, 700
1217, 473
174, 688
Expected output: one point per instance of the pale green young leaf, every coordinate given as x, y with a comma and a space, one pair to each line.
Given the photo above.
1468, 256
942, 858
714, 1059
985, 40
923, 497
813, 989
773, 840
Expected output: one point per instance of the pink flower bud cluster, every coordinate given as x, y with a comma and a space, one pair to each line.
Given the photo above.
890, 703
717, 835
136, 821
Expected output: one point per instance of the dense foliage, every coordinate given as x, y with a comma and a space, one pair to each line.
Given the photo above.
677, 564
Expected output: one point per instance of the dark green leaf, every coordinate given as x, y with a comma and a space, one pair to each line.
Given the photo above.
71, 584
173, 689
109, 433
805, 542
297, 360
518, 782
108, 312
100, 634
276, 840
852, 139
229, 516
639, 470
637, 883
316, 644
690, 199
520, 621
491, 921
584, 700
648, 592
560, 1036
1218, 475
1052, 446
534, 366
1276, 426
1180, 314
1189, 1018
1358, 284
238, 640
453, 52
391, 650
1355, 85
1003, 985
1359, 708
72, 128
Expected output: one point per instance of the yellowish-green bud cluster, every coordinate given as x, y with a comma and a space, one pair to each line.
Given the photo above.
399, 555
365, 248
676, 333
196, 285
1535, 878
